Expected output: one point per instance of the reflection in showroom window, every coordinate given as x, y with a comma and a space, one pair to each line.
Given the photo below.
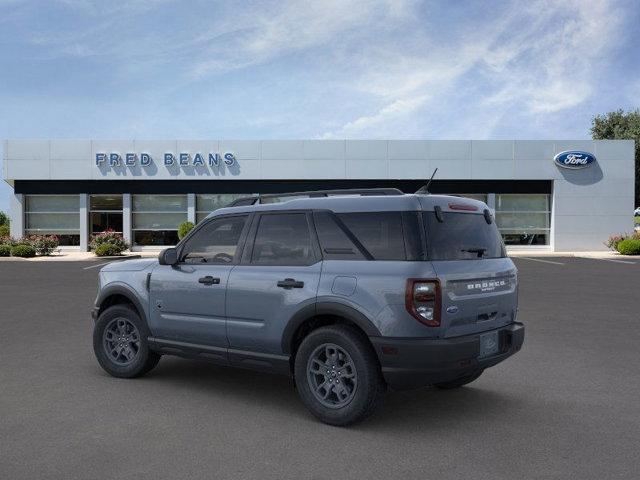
54, 215
156, 219
524, 219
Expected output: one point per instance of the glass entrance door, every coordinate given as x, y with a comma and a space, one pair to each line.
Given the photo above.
106, 213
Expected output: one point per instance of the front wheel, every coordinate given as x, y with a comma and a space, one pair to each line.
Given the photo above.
338, 376
120, 343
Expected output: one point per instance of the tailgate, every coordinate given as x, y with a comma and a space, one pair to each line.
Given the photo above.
477, 295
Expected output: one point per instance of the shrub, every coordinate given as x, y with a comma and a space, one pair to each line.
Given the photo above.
23, 250
108, 250
613, 241
184, 228
4, 219
630, 246
44, 244
5, 250
108, 237
4, 231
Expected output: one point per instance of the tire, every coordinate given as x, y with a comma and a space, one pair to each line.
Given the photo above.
459, 382
131, 358
359, 387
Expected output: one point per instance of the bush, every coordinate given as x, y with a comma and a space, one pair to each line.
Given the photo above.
5, 250
44, 244
23, 250
630, 246
4, 231
184, 228
4, 219
108, 237
108, 250
613, 241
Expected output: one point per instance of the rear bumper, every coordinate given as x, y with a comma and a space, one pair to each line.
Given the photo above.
411, 363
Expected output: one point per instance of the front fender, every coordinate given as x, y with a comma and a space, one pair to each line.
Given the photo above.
141, 302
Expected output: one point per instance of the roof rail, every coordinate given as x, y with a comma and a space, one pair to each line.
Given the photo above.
256, 199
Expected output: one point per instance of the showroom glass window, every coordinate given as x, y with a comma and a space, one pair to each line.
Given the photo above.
207, 203
105, 213
156, 219
524, 219
54, 215
483, 197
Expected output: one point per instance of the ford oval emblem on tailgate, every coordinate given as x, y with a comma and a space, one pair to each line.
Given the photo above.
452, 309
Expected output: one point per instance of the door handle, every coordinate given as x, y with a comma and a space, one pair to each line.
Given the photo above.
290, 283
209, 280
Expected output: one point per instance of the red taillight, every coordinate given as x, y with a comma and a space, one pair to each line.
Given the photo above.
422, 299
462, 206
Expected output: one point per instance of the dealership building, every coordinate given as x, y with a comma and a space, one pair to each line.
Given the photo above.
553, 195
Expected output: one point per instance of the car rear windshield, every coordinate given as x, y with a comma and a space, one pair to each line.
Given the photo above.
462, 236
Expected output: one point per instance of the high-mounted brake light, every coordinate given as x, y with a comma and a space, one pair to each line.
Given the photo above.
422, 300
462, 206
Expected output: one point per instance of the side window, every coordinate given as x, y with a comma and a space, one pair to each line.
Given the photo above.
380, 232
334, 242
215, 242
283, 239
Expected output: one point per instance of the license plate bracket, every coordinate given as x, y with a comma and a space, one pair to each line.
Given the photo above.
489, 344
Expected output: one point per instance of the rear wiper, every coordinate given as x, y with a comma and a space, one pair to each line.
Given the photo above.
480, 251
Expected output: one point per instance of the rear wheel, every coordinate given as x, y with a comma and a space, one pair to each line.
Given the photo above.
338, 376
460, 381
120, 343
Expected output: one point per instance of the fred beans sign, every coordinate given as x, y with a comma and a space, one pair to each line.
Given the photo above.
169, 159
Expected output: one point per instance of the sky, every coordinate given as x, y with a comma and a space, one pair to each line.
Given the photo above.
286, 69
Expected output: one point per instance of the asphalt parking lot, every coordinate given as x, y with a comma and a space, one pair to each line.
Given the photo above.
567, 406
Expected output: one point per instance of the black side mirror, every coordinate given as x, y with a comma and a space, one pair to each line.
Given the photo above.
168, 256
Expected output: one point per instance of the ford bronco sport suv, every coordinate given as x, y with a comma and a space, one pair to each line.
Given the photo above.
348, 292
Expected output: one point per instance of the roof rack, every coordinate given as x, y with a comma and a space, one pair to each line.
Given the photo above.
256, 199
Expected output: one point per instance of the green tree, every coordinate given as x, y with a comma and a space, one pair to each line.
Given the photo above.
4, 218
620, 125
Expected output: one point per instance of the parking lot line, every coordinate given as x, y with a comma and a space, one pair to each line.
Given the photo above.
540, 260
613, 260
98, 265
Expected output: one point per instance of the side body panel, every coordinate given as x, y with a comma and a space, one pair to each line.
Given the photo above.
377, 290
185, 310
258, 311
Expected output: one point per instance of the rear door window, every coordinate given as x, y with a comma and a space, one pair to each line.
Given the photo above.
462, 236
283, 239
380, 233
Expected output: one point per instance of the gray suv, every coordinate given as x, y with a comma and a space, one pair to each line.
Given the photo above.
348, 292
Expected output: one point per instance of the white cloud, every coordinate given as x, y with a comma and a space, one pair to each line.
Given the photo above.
293, 26
390, 64
541, 57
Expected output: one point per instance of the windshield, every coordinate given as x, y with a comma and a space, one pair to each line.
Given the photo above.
462, 236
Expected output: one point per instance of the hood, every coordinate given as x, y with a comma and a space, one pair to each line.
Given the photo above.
129, 265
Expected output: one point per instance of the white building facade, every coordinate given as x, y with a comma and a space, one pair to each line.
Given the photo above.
552, 195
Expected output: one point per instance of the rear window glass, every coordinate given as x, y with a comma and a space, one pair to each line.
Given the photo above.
334, 242
462, 236
379, 232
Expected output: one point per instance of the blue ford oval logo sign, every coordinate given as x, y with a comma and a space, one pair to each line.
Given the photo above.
574, 159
